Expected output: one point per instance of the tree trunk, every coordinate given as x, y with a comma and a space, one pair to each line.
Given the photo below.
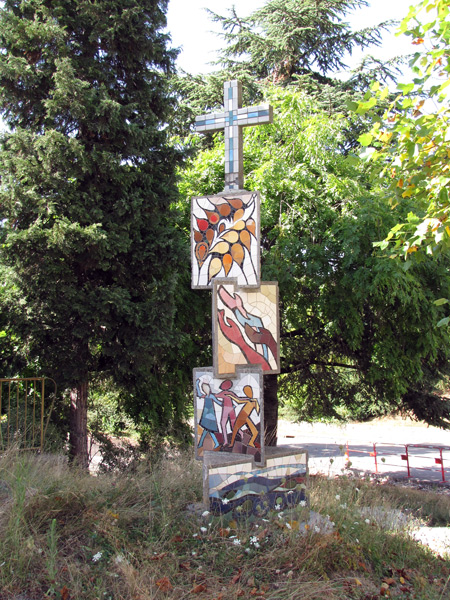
271, 409
78, 425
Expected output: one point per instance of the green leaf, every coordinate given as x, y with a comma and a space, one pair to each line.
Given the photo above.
407, 265
444, 321
365, 139
384, 93
406, 88
363, 107
441, 301
352, 105
352, 159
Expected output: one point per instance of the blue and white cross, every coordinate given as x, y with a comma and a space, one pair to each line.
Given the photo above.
233, 119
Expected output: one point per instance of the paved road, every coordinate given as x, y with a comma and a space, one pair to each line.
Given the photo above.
327, 446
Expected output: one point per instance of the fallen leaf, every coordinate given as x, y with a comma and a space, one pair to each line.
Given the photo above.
177, 539
159, 556
357, 581
263, 534
240, 593
164, 584
404, 574
402, 580
389, 581
251, 582
185, 566
201, 587
255, 592
236, 577
64, 593
224, 532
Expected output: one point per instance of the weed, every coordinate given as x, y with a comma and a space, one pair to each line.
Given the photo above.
123, 536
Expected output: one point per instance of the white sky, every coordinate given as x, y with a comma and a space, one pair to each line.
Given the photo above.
192, 30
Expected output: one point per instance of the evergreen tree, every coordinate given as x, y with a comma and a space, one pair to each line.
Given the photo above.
87, 179
286, 42
285, 38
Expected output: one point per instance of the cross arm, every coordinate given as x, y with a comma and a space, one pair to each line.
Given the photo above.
211, 122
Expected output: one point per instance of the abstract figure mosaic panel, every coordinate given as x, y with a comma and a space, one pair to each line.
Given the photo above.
229, 414
225, 239
243, 490
246, 329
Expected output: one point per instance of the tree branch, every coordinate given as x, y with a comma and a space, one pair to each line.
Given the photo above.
300, 366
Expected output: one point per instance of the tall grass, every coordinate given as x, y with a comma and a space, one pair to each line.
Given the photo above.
65, 534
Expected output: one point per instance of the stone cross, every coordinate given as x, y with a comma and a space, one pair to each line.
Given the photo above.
233, 119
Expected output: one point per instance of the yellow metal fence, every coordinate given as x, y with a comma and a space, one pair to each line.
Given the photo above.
24, 411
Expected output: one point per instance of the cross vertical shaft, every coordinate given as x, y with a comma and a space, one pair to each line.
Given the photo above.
232, 120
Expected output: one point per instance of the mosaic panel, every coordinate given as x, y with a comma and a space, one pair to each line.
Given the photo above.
243, 490
232, 120
229, 413
245, 327
225, 239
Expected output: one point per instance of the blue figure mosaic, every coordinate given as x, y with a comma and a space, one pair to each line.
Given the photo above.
228, 413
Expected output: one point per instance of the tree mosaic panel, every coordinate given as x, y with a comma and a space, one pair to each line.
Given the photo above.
225, 239
240, 489
245, 328
229, 413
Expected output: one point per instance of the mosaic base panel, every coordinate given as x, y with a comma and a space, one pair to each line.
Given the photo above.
245, 327
228, 413
243, 489
225, 239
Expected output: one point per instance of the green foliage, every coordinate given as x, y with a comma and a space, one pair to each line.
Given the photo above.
299, 42
106, 413
294, 37
357, 331
89, 245
409, 144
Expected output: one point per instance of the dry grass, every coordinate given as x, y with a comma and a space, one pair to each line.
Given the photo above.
67, 535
